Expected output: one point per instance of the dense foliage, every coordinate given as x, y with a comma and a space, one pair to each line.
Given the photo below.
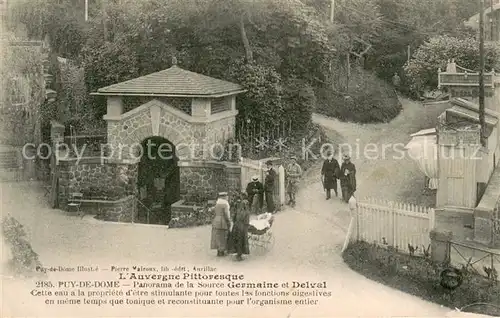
61, 21
420, 276
407, 24
421, 71
22, 92
280, 50
24, 260
373, 99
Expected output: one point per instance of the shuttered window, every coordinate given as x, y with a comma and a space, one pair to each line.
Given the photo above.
220, 105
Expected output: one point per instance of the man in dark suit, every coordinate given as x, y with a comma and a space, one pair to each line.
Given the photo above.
329, 174
347, 178
255, 193
269, 187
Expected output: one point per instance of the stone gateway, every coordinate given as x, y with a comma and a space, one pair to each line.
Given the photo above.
181, 117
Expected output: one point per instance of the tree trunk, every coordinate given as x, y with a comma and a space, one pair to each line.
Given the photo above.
348, 58
244, 39
105, 20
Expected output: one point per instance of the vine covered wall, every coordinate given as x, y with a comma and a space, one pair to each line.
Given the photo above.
22, 92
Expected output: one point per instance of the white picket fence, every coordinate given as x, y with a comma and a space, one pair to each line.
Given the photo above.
251, 168
393, 224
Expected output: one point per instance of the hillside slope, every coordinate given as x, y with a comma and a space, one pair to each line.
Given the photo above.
370, 100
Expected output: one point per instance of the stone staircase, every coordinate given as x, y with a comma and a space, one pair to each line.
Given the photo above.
11, 167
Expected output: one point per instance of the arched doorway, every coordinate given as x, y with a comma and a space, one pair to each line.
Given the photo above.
158, 180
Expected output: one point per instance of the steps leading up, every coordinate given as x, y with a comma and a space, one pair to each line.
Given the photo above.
10, 164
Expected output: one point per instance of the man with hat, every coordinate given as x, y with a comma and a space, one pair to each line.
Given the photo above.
269, 187
347, 178
255, 193
293, 174
329, 175
221, 224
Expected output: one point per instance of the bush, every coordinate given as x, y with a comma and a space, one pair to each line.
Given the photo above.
23, 93
420, 277
25, 260
299, 102
198, 216
262, 101
422, 70
370, 100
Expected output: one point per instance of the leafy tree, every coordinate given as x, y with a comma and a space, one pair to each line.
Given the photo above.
22, 92
409, 23
59, 20
262, 103
299, 101
278, 38
421, 71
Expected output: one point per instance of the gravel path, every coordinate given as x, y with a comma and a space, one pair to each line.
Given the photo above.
383, 168
308, 245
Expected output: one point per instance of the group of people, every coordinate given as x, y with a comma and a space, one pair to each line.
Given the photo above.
332, 171
257, 192
231, 221
230, 226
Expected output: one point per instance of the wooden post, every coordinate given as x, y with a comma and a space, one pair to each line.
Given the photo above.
281, 175
86, 10
332, 13
481, 73
393, 208
348, 235
357, 223
492, 21
432, 218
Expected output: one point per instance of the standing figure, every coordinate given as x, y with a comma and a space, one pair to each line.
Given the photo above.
238, 238
255, 193
269, 187
451, 67
293, 174
347, 178
329, 174
221, 224
396, 81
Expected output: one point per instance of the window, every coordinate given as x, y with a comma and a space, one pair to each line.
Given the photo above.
220, 105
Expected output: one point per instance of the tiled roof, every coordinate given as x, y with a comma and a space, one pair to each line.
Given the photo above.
172, 81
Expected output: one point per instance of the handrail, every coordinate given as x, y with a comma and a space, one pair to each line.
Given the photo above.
85, 136
484, 250
147, 209
463, 68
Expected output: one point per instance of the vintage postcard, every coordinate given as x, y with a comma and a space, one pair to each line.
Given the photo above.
250, 158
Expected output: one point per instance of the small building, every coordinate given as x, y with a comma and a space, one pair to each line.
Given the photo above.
464, 166
166, 132
491, 21
467, 171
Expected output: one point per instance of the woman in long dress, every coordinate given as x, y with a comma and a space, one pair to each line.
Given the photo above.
238, 238
221, 225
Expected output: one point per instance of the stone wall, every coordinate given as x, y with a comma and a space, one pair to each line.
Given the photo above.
123, 210
90, 177
484, 213
205, 179
188, 215
192, 138
131, 131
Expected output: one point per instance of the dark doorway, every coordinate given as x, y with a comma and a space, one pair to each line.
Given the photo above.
158, 181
